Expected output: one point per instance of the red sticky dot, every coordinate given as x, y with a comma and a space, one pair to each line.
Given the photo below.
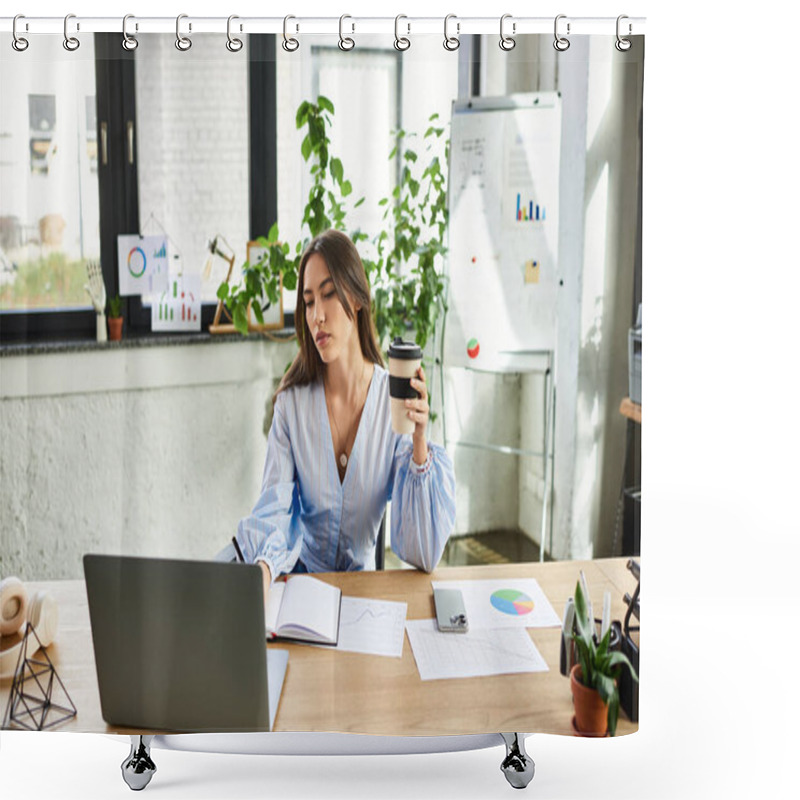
474, 259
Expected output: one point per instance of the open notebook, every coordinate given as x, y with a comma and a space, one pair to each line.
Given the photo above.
179, 645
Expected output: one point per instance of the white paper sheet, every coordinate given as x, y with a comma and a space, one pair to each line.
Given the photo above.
510, 603
142, 263
178, 307
375, 627
498, 651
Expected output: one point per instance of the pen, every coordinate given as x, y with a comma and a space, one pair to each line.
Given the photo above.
238, 551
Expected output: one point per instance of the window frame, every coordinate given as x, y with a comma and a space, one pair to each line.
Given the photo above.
118, 187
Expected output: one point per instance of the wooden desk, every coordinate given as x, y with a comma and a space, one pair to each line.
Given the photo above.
334, 691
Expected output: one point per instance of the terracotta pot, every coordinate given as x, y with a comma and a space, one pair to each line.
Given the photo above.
591, 713
115, 328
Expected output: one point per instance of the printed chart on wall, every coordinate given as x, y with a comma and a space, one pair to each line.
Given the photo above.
503, 242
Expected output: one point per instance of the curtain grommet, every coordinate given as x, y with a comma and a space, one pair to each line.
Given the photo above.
561, 43
71, 43
19, 43
401, 43
234, 44
289, 43
451, 43
507, 43
183, 43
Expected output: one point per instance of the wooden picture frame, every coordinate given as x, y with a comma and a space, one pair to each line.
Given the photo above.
273, 314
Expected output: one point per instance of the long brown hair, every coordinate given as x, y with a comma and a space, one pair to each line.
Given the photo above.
348, 275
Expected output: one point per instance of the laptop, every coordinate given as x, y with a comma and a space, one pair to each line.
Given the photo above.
181, 645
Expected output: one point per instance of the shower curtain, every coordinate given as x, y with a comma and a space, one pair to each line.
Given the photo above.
140, 172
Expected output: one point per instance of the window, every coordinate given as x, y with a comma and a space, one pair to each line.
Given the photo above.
374, 90
102, 142
49, 209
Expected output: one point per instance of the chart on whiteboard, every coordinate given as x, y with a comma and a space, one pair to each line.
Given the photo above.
503, 240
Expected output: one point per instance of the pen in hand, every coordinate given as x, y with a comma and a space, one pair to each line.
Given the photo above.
238, 551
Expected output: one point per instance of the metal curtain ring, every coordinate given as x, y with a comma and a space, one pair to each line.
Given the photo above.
401, 42
561, 43
233, 44
289, 43
128, 42
183, 43
451, 42
19, 43
345, 42
70, 42
507, 42
622, 44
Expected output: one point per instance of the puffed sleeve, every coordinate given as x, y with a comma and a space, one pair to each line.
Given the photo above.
273, 531
423, 505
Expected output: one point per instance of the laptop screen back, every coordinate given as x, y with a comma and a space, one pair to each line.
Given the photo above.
179, 645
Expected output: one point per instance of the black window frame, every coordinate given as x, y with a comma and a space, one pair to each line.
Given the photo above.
115, 75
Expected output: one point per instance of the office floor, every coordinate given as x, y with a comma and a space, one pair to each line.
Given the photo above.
492, 547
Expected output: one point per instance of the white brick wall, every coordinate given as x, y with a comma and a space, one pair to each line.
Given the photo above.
192, 147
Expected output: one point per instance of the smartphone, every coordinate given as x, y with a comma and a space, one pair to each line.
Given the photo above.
451, 615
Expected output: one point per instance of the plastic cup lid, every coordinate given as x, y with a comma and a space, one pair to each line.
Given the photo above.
404, 350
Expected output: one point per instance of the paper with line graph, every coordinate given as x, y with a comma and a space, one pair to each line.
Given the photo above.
370, 626
497, 651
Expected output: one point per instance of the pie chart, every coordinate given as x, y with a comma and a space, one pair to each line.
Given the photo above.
512, 602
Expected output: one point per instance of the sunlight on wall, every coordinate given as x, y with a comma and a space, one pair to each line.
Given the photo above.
594, 267
600, 93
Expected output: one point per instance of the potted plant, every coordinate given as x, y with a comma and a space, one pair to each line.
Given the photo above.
406, 273
593, 679
115, 318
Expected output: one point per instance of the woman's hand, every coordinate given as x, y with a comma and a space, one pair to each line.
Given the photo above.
419, 410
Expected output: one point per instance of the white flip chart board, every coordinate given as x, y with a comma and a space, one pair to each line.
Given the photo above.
503, 232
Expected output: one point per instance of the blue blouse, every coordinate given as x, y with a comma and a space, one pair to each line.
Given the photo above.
305, 512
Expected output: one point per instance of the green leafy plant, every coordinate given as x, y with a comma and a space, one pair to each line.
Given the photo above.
406, 275
115, 307
325, 208
600, 666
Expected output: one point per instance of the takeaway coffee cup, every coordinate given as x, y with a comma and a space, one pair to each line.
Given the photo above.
404, 361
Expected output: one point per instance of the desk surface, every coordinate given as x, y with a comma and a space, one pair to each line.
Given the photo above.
327, 690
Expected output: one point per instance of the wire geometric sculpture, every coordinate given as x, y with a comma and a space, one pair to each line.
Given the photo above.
31, 706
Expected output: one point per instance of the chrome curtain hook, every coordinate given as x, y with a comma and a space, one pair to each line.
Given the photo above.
233, 44
561, 43
70, 42
451, 42
345, 42
507, 42
401, 42
183, 43
19, 43
128, 42
622, 44
289, 44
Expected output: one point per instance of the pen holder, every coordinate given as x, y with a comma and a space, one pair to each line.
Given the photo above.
568, 655
628, 687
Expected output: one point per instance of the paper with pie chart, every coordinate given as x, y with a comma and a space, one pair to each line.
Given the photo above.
507, 603
143, 264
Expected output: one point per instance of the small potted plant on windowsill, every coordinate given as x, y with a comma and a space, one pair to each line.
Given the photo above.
593, 679
115, 318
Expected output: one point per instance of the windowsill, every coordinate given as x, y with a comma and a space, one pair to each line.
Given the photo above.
167, 361
131, 341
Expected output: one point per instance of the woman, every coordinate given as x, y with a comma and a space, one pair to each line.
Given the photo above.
333, 460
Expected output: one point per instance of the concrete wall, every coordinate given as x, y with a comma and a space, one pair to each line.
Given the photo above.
154, 450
